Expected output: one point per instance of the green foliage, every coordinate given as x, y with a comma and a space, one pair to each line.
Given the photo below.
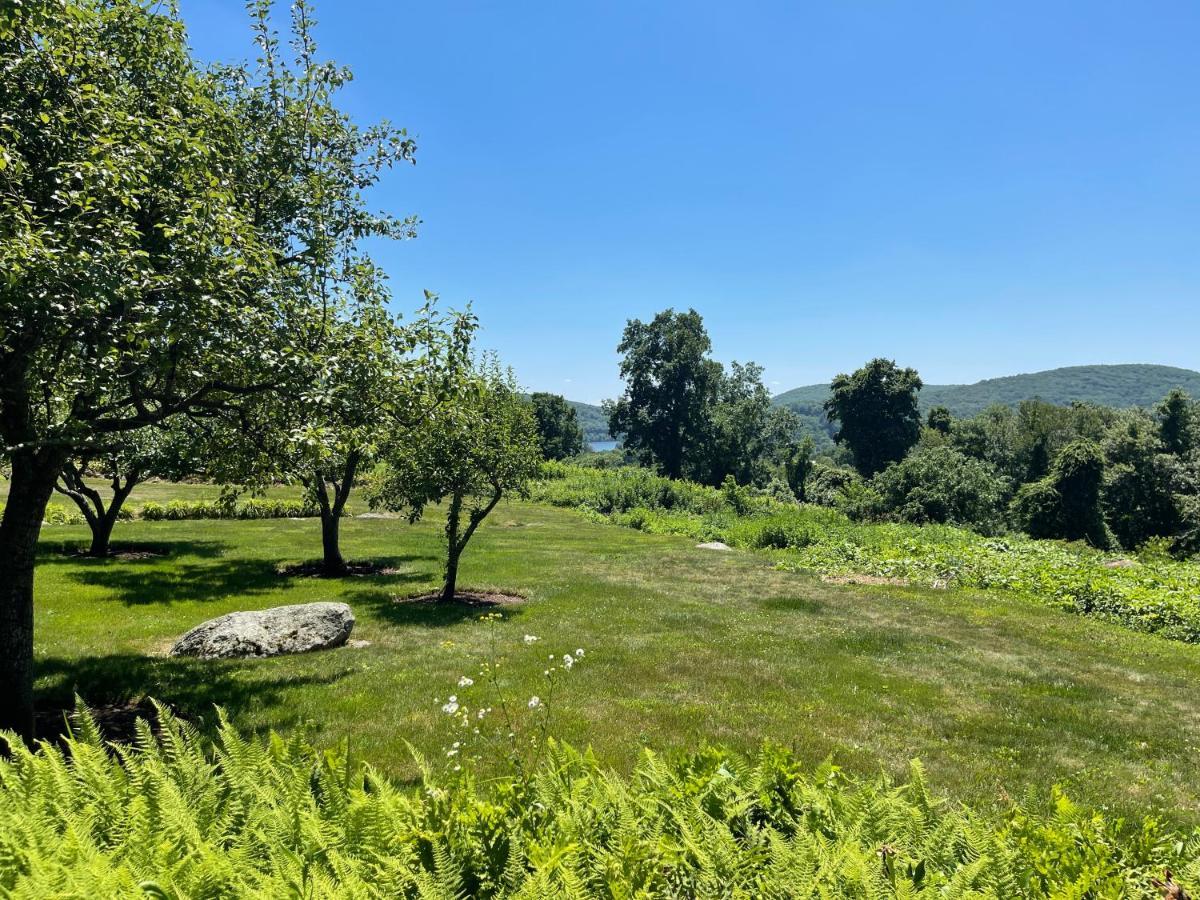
558, 427
829, 485
592, 421
619, 490
270, 817
470, 453
798, 466
940, 419
876, 409
942, 486
1179, 424
1142, 485
1067, 502
686, 416
670, 386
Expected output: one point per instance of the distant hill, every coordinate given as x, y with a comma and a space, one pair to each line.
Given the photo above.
592, 420
1119, 386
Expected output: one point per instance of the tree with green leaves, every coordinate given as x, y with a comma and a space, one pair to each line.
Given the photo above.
372, 377
1142, 482
469, 454
1067, 503
1178, 425
165, 450
943, 486
558, 426
663, 416
940, 419
876, 409
746, 435
798, 466
155, 240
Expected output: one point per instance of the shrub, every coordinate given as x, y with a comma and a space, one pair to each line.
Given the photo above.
942, 486
827, 484
57, 514
252, 508
273, 817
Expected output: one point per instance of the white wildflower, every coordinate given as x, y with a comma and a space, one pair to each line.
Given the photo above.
451, 706
579, 653
465, 681
531, 638
535, 702
568, 660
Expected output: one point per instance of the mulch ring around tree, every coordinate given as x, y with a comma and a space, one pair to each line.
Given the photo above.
474, 599
315, 569
116, 721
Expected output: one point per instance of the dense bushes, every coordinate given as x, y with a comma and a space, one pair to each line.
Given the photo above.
178, 510
608, 491
274, 817
253, 508
942, 486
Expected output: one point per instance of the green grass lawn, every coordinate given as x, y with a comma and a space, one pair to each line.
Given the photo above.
684, 646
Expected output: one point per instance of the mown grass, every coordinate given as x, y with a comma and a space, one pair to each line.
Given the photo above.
997, 696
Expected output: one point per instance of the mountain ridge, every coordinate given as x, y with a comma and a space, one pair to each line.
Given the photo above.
1119, 384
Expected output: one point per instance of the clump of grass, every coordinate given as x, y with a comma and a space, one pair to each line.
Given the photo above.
178, 816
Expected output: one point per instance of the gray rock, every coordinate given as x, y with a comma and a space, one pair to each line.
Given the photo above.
269, 632
713, 545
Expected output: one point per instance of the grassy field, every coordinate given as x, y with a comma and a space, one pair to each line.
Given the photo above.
685, 646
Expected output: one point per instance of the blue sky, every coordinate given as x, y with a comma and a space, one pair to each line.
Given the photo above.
975, 189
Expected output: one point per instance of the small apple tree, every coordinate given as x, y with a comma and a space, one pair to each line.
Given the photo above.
158, 451
470, 454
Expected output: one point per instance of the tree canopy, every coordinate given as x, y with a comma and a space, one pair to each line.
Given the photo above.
876, 408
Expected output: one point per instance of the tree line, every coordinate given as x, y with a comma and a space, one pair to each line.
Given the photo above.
1115, 478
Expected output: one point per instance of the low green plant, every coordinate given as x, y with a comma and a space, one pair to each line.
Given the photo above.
252, 508
176, 816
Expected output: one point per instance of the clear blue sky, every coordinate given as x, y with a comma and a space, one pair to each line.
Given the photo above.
974, 189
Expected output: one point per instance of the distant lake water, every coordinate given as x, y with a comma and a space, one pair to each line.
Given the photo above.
601, 446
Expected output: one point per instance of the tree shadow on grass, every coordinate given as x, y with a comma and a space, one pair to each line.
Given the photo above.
378, 569
143, 582
192, 688
397, 609
59, 551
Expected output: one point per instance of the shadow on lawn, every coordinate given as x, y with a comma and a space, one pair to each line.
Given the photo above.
395, 609
59, 551
192, 688
145, 582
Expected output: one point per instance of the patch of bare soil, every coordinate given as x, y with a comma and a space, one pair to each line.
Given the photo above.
138, 554
353, 570
480, 599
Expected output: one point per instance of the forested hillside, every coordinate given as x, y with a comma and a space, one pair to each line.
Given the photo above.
1117, 386
592, 420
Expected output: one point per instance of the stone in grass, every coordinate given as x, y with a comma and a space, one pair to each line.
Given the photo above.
713, 545
269, 632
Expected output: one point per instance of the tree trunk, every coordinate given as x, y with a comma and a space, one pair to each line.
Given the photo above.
453, 546
332, 562
101, 535
32, 482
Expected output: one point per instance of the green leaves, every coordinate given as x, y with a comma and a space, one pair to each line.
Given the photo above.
269, 817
